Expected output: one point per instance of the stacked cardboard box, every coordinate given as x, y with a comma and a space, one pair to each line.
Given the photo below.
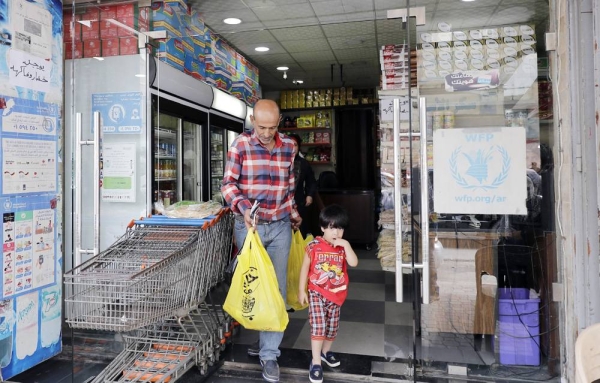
221, 62
189, 46
245, 84
94, 34
72, 36
395, 66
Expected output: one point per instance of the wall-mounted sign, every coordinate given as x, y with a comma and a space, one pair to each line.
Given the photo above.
480, 171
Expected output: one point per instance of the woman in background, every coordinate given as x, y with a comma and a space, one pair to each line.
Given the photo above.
306, 185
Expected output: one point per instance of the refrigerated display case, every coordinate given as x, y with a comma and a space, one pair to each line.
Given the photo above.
177, 153
226, 121
167, 183
217, 159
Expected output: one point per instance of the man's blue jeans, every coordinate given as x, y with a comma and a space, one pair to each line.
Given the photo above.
277, 240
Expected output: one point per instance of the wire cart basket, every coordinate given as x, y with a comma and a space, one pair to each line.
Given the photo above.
152, 285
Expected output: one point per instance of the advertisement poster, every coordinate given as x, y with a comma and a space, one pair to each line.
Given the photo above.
30, 304
121, 112
117, 172
29, 161
480, 171
31, 99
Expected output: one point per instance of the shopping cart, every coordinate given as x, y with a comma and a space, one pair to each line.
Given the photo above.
153, 284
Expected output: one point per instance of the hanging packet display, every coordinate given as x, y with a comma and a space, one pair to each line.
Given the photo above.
254, 299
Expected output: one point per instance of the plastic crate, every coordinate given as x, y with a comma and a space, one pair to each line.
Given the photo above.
519, 328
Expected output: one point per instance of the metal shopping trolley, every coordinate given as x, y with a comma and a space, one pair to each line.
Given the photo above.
152, 284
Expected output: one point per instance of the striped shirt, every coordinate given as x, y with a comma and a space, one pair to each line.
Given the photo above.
253, 173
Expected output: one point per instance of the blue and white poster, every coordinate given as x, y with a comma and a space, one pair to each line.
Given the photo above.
121, 112
29, 133
31, 99
480, 171
30, 304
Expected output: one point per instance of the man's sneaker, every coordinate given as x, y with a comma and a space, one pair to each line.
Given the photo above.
315, 374
254, 349
270, 370
330, 359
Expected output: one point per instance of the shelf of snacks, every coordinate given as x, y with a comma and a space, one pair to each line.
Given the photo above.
318, 155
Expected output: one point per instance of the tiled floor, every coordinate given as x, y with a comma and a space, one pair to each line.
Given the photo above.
375, 339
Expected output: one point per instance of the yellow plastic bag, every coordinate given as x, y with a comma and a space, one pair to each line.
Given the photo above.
294, 265
254, 299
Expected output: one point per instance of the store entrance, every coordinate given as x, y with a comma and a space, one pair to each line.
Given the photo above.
460, 280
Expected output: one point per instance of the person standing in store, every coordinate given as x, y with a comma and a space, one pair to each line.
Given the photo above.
306, 185
260, 167
324, 270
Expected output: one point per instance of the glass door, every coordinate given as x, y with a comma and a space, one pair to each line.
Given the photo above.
218, 152
106, 118
191, 162
470, 169
108, 147
167, 158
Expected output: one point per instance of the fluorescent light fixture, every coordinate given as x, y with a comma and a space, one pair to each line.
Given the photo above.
140, 75
467, 1
261, 49
232, 20
298, 81
99, 58
229, 104
282, 68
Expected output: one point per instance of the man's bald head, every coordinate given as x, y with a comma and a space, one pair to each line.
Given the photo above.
265, 119
266, 109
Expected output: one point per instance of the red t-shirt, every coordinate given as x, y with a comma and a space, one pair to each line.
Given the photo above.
327, 274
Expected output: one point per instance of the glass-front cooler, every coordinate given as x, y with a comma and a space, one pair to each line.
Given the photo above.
167, 183
222, 133
217, 158
177, 151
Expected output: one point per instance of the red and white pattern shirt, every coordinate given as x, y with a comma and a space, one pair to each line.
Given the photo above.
253, 173
327, 273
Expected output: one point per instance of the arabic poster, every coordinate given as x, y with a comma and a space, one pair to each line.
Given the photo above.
29, 71
117, 172
480, 171
29, 146
386, 109
121, 112
32, 26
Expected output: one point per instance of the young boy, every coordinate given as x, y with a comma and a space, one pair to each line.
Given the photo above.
324, 268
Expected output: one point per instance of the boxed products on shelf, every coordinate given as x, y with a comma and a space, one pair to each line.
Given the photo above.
172, 52
194, 67
165, 18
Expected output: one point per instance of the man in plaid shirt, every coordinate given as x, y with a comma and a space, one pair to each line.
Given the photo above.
260, 167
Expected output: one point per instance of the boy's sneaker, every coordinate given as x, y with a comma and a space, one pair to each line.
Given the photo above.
330, 359
254, 349
315, 374
270, 370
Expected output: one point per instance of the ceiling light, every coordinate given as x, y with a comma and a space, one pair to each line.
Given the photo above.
298, 81
232, 20
285, 75
282, 68
467, 1
261, 49
140, 75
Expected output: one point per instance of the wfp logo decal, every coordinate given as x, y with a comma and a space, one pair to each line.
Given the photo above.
472, 170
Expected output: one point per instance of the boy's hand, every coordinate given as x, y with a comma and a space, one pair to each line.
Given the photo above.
341, 242
302, 298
